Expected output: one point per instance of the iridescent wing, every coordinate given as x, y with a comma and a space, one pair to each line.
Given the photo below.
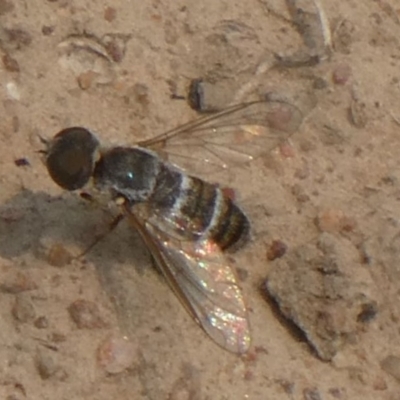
205, 283
235, 135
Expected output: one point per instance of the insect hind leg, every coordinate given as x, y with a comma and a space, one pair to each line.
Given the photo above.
111, 227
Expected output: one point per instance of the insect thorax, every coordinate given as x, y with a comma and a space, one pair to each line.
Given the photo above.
127, 171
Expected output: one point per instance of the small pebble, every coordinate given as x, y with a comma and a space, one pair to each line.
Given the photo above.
141, 94
18, 38
368, 312
13, 91
281, 118
379, 384
299, 193
47, 30
86, 79
110, 13
22, 162
46, 364
115, 354
277, 249
311, 394
23, 309
334, 220
58, 255
10, 64
41, 322
341, 74
287, 150
357, 114
86, 315
320, 83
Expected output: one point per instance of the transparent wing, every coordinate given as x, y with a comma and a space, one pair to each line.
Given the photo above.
235, 135
203, 280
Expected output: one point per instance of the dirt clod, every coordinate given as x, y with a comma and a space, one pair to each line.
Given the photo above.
323, 289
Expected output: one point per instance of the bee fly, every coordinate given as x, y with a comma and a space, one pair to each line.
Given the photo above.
186, 222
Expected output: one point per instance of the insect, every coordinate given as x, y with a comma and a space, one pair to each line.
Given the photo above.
186, 222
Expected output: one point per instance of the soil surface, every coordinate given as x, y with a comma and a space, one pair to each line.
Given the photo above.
321, 272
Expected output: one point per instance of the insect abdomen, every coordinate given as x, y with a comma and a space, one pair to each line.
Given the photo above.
232, 227
198, 209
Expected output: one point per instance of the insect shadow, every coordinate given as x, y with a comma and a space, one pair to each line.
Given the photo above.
30, 222
30, 219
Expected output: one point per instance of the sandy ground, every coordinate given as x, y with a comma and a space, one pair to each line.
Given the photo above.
330, 195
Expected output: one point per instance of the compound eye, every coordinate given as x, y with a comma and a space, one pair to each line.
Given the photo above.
71, 156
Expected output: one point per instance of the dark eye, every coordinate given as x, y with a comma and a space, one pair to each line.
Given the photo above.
70, 157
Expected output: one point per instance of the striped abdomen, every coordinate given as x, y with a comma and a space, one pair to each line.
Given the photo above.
197, 209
